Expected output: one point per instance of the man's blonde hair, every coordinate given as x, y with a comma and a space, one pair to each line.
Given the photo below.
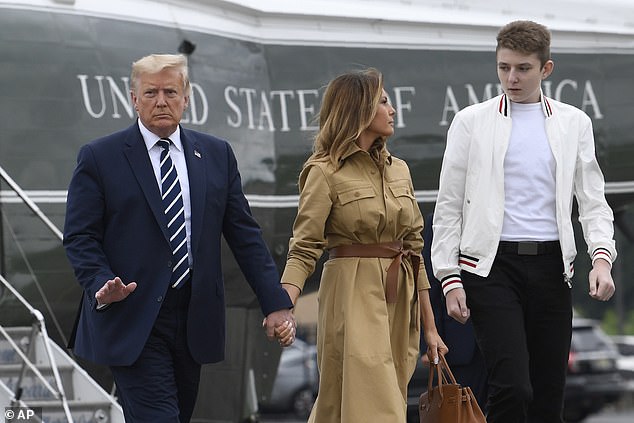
154, 63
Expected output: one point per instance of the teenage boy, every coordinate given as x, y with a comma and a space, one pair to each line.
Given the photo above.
503, 244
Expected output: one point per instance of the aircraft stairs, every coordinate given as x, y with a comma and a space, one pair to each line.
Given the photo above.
29, 381
37, 375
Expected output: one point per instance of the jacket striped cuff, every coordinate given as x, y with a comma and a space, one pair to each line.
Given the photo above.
602, 253
450, 282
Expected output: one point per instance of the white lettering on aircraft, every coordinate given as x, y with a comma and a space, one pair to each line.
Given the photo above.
259, 110
566, 90
96, 102
269, 111
286, 110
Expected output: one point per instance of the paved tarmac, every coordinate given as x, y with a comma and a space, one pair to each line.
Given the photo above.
607, 416
611, 416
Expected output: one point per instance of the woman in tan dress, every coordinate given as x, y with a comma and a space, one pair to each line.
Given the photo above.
357, 202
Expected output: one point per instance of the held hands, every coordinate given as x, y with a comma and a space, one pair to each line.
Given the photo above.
286, 333
456, 300
114, 290
600, 280
280, 325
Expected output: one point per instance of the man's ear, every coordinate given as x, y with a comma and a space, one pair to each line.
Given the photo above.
133, 100
547, 69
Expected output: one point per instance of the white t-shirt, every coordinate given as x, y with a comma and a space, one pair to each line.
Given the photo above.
529, 178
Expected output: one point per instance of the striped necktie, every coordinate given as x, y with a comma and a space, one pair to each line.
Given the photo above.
175, 213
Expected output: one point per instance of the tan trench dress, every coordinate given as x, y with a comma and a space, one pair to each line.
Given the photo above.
366, 348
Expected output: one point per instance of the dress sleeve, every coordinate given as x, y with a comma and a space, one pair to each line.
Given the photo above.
414, 240
308, 241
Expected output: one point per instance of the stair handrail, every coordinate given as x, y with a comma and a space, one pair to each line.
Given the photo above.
41, 325
49, 224
20, 192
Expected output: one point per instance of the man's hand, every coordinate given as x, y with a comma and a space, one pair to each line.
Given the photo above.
600, 279
280, 325
114, 290
456, 300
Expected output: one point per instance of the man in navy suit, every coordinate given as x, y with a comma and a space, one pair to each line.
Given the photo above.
155, 337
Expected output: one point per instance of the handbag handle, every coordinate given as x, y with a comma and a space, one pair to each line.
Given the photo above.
445, 376
447, 370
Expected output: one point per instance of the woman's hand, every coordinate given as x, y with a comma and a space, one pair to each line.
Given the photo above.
435, 346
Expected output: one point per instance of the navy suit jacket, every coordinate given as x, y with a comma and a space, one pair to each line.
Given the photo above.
115, 226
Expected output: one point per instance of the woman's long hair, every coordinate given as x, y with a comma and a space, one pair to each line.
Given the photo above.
348, 107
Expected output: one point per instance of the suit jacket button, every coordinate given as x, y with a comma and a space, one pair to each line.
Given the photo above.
169, 264
159, 299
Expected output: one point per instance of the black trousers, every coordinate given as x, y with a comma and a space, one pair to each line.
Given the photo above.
522, 316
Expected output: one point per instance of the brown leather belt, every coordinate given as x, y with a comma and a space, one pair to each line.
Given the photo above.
393, 250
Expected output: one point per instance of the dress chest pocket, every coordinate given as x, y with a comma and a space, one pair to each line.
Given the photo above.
355, 207
404, 203
401, 191
355, 194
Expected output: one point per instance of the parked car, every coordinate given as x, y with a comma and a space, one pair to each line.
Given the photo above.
296, 383
593, 379
625, 363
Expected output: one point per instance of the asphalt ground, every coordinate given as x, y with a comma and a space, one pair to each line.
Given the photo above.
608, 415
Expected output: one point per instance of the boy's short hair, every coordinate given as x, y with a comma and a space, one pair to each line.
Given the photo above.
525, 37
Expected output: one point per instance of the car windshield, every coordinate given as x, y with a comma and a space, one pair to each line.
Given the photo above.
586, 339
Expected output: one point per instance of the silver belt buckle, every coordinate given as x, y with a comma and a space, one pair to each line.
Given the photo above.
527, 248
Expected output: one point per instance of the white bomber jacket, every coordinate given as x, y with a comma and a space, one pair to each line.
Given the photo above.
470, 206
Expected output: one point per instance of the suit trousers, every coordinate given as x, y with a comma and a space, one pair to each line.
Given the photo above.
522, 316
162, 385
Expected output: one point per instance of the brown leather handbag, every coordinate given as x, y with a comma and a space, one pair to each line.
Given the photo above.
449, 402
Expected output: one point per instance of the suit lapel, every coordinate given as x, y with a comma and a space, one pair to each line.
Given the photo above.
141, 166
197, 186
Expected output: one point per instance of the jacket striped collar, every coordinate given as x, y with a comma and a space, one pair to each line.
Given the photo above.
504, 107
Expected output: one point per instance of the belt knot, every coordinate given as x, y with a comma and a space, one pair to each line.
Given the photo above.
391, 249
